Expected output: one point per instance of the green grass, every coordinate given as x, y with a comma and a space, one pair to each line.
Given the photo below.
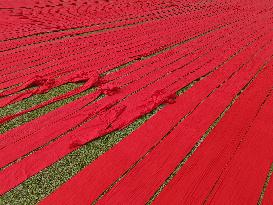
35, 100
39, 186
268, 178
42, 184
46, 181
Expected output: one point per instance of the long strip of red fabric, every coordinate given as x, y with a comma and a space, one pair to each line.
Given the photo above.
217, 150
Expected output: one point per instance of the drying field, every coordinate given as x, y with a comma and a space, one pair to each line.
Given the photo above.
136, 102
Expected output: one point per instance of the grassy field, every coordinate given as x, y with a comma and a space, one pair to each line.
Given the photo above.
46, 181
40, 185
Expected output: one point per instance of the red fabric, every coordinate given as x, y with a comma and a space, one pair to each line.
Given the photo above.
66, 142
121, 157
219, 149
126, 90
138, 185
243, 173
114, 54
169, 44
145, 109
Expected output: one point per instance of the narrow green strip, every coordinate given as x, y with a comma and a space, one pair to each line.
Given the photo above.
35, 100
270, 172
